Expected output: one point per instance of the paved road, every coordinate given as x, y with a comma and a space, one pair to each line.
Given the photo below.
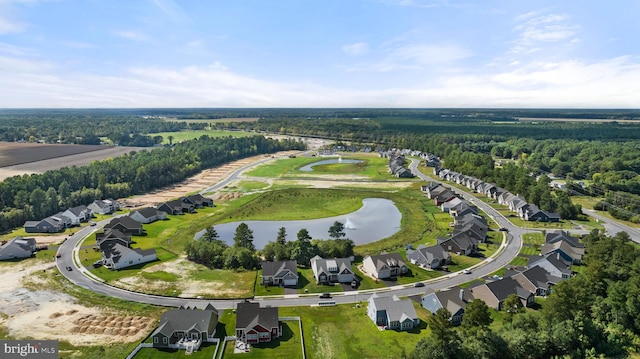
612, 227
508, 250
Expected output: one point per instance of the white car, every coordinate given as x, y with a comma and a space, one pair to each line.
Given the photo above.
466, 271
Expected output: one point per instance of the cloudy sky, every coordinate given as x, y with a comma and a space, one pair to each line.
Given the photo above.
319, 53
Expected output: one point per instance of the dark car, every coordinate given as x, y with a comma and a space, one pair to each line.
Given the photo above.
325, 295
504, 229
419, 284
69, 268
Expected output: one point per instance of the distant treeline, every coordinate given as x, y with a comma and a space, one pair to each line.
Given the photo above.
31, 197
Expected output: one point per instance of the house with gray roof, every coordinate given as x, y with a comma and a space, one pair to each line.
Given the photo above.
198, 200
495, 293
552, 263
282, 273
392, 313
255, 324
432, 257
454, 300
536, 280
185, 329
78, 214
125, 224
565, 249
556, 236
176, 206
46, 225
335, 270
17, 248
461, 244
103, 206
147, 215
385, 266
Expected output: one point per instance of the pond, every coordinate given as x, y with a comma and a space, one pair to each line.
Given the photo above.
309, 167
378, 218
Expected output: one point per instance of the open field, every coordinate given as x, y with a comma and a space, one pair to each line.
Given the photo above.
27, 158
190, 135
229, 119
534, 119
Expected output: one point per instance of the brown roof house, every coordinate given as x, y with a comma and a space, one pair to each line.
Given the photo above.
454, 300
495, 293
257, 325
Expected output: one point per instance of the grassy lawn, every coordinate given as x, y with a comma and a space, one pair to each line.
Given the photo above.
205, 352
289, 345
345, 331
266, 290
190, 135
247, 186
307, 283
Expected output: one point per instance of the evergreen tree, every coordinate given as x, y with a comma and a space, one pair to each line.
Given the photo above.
243, 237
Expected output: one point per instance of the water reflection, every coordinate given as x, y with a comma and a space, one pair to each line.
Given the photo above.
378, 218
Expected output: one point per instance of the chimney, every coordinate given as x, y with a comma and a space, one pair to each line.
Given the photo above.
461, 294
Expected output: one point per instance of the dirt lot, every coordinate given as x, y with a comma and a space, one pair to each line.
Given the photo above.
48, 314
27, 158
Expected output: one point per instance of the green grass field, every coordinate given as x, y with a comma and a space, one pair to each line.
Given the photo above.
289, 345
190, 135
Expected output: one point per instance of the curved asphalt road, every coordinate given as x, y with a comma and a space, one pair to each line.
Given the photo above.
83, 278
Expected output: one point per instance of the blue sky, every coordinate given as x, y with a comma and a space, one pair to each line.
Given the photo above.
319, 53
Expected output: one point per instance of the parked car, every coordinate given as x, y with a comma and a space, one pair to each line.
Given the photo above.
58, 255
69, 268
354, 284
324, 295
419, 284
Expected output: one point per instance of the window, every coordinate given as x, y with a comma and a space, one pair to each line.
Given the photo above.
165, 340
155, 340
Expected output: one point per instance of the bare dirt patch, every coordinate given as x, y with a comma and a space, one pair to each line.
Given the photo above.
47, 314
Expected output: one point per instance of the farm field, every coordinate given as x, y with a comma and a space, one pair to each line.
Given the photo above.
17, 159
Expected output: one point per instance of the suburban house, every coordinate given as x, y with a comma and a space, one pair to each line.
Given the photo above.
78, 214
198, 200
392, 313
47, 225
432, 257
336, 270
565, 249
125, 224
103, 206
117, 256
185, 328
494, 293
557, 236
385, 266
283, 273
112, 236
255, 324
454, 300
444, 196
536, 280
18, 247
429, 188
446, 207
147, 215
473, 229
66, 221
177, 206
461, 244
552, 263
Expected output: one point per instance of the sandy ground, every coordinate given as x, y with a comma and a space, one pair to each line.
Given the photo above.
46, 314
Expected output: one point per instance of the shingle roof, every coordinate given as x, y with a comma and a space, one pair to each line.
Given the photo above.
250, 314
279, 268
186, 319
397, 310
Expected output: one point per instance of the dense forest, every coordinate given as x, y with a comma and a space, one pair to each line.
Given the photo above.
592, 315
31, 197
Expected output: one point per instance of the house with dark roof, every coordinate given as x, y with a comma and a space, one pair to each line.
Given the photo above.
17, 248
177, 206
392, 313
429, 188
557, 236
385, 266
257, 325
552, 263
461, 244
147, 215
185, 329
110, 237
495, 293
444, 196
432, 257
125, 224
282, 273
565, 249
334, 270
454, 300
46, 225
198, 200
536, 280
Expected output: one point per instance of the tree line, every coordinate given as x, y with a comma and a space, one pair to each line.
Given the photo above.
213, 252
32, 197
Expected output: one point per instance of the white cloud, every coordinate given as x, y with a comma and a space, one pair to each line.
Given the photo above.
414, 56
355, 49
171, 9
132, 35
535, 29
9, 26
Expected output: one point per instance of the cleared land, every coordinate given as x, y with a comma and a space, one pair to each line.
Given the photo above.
17, 159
